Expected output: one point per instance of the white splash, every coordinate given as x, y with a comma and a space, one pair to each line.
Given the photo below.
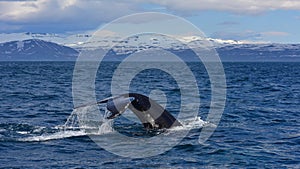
54, 136
192, 123
81, 122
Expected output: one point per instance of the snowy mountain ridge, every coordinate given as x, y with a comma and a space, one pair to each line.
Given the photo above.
79, 40
31, 46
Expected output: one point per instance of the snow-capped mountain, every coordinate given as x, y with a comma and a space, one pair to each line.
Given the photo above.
65, 40
62, 47
35, 49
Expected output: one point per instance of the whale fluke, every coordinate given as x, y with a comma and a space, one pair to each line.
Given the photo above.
151, 114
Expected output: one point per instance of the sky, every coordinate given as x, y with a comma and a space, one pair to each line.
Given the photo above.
275, 21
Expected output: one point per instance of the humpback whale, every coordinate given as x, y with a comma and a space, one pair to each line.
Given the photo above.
150, 113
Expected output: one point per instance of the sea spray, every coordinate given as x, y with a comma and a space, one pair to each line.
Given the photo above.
81, 122
89, 120
106, 127
72, 121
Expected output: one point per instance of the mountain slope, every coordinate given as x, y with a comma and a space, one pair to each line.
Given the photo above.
35, 49
260, 52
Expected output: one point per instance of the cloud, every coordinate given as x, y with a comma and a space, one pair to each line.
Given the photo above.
244, 35
58, 10
4, 27
104, 10
228, 23
64, 13
15, 0
145, 18
69, 15
234, 6
275, 33
248, 35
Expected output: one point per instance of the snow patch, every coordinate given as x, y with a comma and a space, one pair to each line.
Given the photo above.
20, 45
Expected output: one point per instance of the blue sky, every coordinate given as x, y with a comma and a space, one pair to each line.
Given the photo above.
249, 20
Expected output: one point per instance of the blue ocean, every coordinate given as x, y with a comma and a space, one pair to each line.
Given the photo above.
259, 127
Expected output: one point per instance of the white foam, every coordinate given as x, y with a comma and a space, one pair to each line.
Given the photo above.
189, 124
67, 132
23, 132
38, 129
106, 127
54, 136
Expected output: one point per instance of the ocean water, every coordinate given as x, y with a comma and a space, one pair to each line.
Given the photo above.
259, 127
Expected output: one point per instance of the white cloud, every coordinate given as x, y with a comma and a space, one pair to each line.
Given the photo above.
88, 14
104, 10
235, 6
63, 10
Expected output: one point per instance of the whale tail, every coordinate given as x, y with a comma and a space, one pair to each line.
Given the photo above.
150, 113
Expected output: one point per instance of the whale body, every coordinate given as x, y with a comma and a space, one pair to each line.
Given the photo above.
150, 113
